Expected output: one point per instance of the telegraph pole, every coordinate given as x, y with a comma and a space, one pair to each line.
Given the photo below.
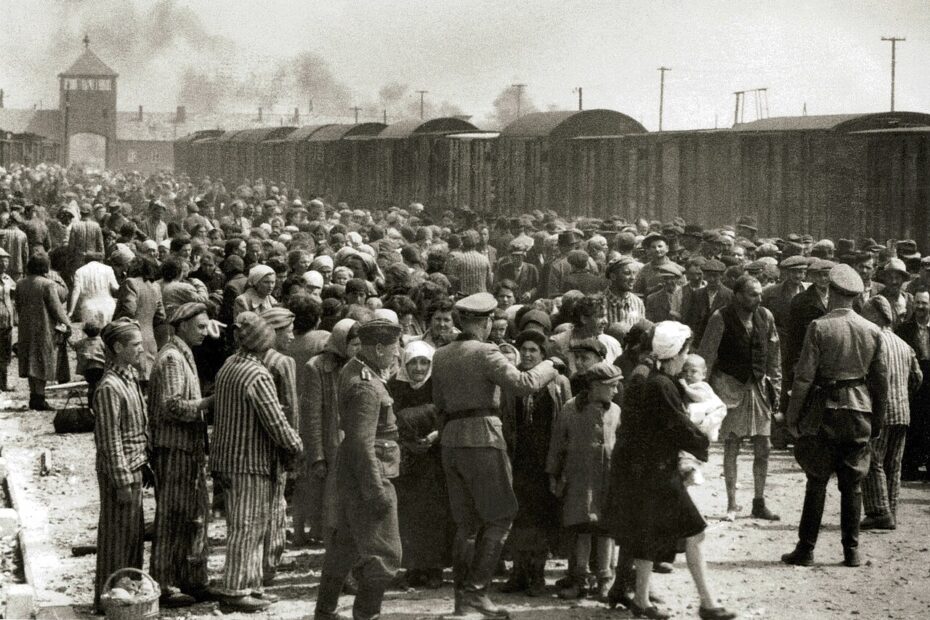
422, 92
662, 71
356, 109
519, 88
580, 106
894, 44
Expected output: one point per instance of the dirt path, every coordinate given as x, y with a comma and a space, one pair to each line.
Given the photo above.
894, 581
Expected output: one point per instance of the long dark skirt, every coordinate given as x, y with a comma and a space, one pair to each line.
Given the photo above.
425, 521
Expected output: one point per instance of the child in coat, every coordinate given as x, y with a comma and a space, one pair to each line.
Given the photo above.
579, 473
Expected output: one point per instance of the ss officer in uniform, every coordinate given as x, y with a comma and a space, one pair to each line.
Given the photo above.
837, 404
468, 375
367, 534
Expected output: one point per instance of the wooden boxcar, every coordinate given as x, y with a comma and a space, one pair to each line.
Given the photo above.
412, 162
842, 175
287, 162
532, 169
188, 154
327, 165
252, 160
469, 174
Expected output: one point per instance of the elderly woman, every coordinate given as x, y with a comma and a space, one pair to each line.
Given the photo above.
257, 296
41, 318
527, 426
653, 508
422, 505
319, 429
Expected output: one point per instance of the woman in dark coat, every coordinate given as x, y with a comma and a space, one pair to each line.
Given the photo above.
42, 322
527, 426
651, 507
422, 505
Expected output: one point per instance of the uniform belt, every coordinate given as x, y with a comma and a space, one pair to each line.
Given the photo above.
464, 414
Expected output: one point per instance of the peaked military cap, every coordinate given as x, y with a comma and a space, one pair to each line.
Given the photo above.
477, 305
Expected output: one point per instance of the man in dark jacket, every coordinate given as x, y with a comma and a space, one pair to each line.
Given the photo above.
916, 332
707, 300
805, 307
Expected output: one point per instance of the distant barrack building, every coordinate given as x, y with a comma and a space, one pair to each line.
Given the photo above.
87, 128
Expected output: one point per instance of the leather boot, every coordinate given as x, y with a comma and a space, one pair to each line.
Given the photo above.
815, 495
327, 598
367, 604
850, 513
4, 385
463, 554
474, 597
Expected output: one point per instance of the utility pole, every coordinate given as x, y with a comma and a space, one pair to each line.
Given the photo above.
519, 88
894, 44
736, 110
422, 92
580, 106
662, 71
384, 111
356, 109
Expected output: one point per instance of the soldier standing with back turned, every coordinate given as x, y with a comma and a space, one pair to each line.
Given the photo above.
468, 374
837, 404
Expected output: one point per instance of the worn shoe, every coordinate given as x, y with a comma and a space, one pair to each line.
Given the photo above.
799, 557
760, 511
245, 604
715, 613
851, 557
175, 598
479, 602
652, 612
878, 522
267, 596
602, 593
663, 568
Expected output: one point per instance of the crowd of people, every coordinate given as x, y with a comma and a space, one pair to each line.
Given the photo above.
420, 390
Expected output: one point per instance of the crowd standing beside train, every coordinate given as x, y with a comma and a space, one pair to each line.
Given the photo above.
419, 390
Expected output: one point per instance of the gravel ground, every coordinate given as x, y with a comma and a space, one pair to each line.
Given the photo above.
743, 557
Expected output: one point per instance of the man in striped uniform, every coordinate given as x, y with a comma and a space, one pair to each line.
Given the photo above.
120, 436
284, 372
179, 441
367, 535
252, 442
880, 487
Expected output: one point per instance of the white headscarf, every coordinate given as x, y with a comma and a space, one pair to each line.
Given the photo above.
413, 350
258, 272
668, 339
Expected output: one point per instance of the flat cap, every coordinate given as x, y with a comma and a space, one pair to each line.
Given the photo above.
714, 265
670, 269
907, 248
521, 245
477, 305
793, 238
186, 311
820, 264
845, 279
881, 306
807, 238
621, 261
755, 267
895, 264
379, 331
588, 344
794, 262
747, 221
712, 236
693, 230
277, 317
603, 372
535, 316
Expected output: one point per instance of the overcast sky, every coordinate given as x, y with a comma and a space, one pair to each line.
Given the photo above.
825, 53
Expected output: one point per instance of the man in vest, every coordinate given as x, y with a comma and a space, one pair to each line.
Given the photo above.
741, 347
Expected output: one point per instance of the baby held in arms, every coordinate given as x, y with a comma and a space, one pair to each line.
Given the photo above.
704, 408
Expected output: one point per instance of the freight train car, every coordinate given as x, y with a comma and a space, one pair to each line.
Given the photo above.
328, 165
839, 175
187, 156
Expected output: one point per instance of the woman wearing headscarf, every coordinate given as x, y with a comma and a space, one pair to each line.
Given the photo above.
527, 427
257, 296
319, 429
422, 505
652, 508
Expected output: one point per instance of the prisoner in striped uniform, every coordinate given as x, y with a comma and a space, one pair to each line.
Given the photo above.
252, 442
881, 485
179, 441
120, 436
283, 370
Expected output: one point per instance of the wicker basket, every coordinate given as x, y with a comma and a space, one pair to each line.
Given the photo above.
143, 610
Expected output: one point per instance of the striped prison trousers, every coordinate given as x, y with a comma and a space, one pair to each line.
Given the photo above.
248, 517
119, 531
881, 485
276, 535
182, 515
